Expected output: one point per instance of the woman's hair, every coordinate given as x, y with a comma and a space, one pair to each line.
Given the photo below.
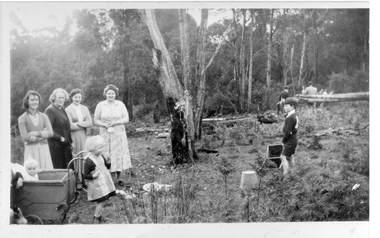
30, 161
93, 142
111, 87
75, 92
55, 92
25, 101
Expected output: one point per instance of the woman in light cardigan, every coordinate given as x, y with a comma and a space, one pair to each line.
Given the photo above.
80, 119
35, 129
80, 124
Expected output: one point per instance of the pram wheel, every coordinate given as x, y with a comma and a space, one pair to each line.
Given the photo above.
34, 220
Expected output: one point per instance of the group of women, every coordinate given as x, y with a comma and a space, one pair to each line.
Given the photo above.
51, 137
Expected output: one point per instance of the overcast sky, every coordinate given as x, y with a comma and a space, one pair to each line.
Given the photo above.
39, 15
36, 15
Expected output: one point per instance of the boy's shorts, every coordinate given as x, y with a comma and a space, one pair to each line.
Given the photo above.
289, 149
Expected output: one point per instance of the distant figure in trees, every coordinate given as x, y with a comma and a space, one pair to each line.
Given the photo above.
35, 129
156, 113
310, 90
283, 95
289, 140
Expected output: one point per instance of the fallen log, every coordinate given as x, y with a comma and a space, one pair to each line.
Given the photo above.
163, 135
147, 129
226, 120
215, 119
344, 97
208, 151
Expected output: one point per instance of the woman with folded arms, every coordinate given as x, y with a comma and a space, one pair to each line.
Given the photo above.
35, 129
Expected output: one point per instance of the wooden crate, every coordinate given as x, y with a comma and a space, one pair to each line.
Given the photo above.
274, 153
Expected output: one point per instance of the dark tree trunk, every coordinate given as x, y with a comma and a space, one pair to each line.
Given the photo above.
127, 97
179, 149
156, 113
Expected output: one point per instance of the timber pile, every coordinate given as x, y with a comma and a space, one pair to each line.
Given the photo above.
267, 118
344, 97
341, 131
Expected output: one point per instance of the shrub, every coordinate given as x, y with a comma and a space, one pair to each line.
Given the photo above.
311, 194
355, 160
342, 83
143, 110
359, 82
336, 81
17, 150
218, 104
225, 167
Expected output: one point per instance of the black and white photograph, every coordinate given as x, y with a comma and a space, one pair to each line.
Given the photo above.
188, 119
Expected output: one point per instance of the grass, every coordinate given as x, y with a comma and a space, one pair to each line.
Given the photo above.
319, 189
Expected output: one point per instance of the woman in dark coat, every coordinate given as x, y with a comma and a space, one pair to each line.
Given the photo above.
60, 144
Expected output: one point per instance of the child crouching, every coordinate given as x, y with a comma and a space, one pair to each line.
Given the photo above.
100, 184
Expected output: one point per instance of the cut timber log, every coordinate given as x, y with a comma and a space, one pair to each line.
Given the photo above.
163, 135
213, 119
147, 129
226, 120
364, 96
208, 151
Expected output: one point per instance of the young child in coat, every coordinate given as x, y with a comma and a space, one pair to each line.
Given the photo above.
100, 186
289, 140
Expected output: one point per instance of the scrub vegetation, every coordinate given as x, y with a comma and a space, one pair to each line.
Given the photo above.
330, 182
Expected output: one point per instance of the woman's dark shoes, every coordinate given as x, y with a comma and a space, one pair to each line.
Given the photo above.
120, 183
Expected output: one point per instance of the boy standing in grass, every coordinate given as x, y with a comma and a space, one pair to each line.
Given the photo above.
289, 140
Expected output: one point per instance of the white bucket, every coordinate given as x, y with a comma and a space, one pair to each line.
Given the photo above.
248, 180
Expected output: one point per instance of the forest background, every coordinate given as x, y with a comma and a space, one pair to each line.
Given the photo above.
246, 67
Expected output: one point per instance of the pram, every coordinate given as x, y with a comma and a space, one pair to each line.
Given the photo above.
50, 197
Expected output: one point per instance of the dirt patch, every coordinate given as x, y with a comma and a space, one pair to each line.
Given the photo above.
320, 189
